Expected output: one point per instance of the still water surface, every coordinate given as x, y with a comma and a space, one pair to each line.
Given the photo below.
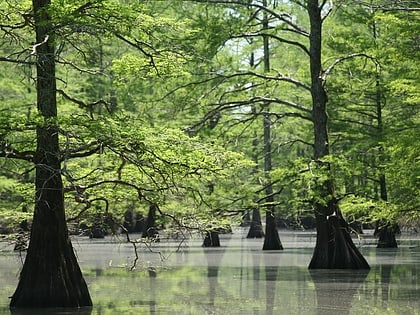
237, 278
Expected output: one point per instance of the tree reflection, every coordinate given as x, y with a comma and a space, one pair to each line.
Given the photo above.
335, 289
270, 283
152, 301
214, 258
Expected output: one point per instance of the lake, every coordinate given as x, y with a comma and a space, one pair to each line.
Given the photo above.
174, 277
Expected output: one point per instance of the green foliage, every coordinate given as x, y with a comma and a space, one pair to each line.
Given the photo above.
138, 165
163, 68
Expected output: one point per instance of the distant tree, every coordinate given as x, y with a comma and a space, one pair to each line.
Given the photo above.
298, 28
373, 103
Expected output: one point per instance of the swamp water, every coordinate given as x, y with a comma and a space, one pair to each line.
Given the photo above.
237, 278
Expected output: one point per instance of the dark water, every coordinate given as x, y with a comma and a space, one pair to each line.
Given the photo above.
238, 278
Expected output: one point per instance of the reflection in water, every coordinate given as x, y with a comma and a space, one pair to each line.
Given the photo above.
384, 275
214, 258
152, 301
270, 284
238, 278
256, 280
335, 289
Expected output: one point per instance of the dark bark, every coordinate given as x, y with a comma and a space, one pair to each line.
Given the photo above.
50, 276
272, 239
150, 229
386, 235
334, 247
133, 222
256, 229
211, 239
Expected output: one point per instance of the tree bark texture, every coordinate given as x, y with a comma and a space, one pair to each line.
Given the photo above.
256, 229
386, 234
211, 239
272, 238
51, 276
334, 247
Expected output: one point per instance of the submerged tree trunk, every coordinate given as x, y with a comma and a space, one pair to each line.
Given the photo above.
50, 276
334, 247
211, 239
272, 238
386, 235
150, 230
256, 228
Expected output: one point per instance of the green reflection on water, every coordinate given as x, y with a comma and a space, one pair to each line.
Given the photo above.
239, 280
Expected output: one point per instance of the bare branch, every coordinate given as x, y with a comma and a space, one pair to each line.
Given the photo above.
82, 104
18, 155
82, 188
283, 17
408, 6
85, 150
34, 47
279, 77
273, 36
139, 45
74, 66
22, 62
328, 10
343, 58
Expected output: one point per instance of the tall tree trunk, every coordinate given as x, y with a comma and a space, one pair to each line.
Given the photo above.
51, 276
272, 238
334, 247
256, 228
384, 230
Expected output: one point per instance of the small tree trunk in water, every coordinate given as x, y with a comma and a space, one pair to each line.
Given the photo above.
50, 276
272, 239
211, 239
386, 235
256, 229
334, 247
150, 230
